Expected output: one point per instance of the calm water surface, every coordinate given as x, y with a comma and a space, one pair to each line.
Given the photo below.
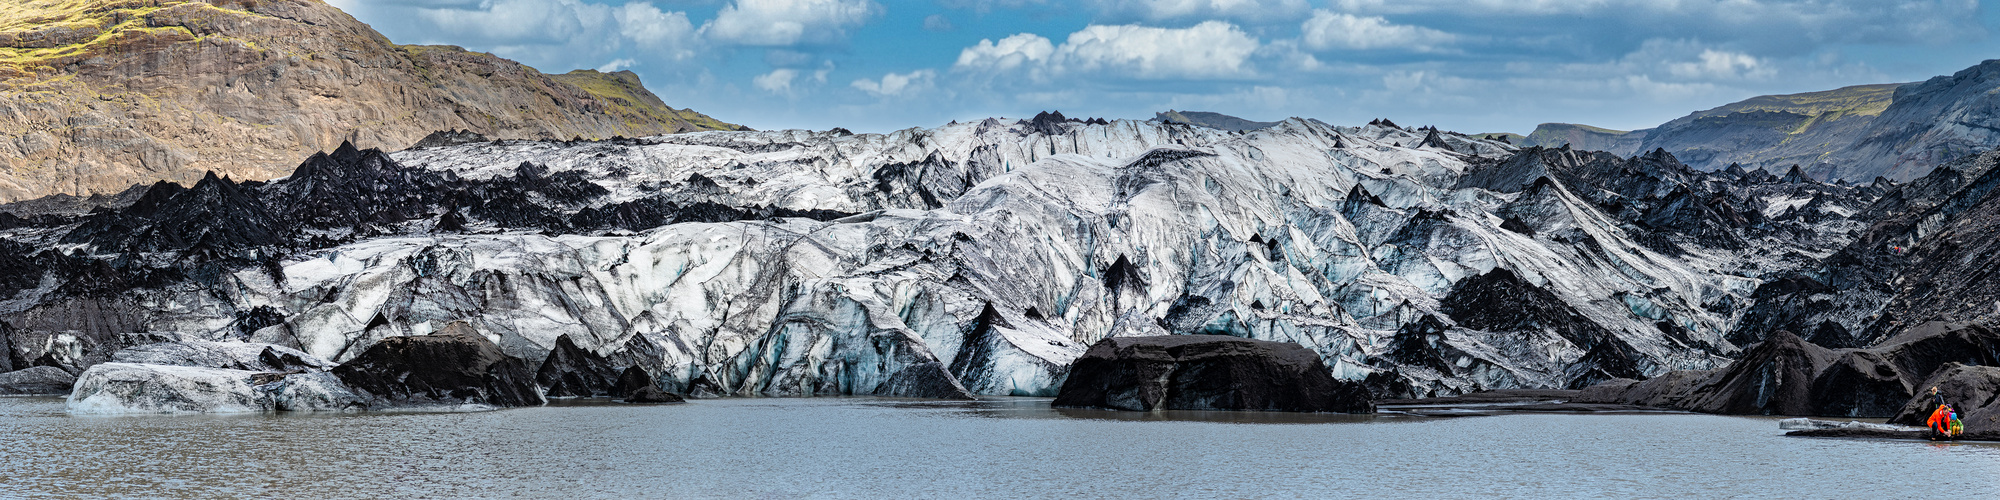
882, 448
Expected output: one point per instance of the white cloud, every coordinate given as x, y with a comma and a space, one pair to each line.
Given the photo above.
1007, 54
778, 81
781, 23
937, 23
1210, 50
1333, 30
665, 34
897, 83
616, 65
1163, 10
517, 21
1771, 22
1716, 64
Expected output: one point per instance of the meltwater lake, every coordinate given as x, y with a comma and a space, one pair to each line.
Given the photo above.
1001, 448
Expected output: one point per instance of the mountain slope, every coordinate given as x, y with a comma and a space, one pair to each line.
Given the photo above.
99, 95
1216, 121
1858, 133
1585, 137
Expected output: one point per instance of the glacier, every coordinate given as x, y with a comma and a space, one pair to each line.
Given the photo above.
973, 258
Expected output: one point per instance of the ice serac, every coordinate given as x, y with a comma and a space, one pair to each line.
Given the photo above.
457, 367
125, 388
1207, 372
36, 381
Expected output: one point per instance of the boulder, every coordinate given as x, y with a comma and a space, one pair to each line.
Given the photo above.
123, 388
453, 367
1207, 372
1972, 390
573, 372
36, 381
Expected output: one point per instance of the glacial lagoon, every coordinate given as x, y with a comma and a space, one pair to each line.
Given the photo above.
999, 448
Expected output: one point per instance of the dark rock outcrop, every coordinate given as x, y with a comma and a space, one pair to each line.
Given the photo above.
36, 381
573, 372
1207, 372
1786, 375
636, 386
452, 367
1773, 378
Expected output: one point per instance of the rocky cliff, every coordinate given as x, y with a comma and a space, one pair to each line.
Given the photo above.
97, 95
978, 257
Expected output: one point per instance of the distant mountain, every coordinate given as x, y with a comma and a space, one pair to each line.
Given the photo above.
1898, 131
104, 94
1587, 138
1217, 121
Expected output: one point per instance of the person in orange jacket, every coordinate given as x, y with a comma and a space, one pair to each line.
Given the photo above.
1940, 421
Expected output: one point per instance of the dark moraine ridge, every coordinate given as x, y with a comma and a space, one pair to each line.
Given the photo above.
1207, 372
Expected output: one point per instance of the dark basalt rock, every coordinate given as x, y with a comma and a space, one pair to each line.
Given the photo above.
1207, 372
451, 367
1786, 375
637, 386
1772, 378
1874, 382
653, 395
573, 372
36, 381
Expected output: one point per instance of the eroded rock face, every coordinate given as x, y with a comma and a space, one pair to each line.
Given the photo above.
1206, 372
36, 381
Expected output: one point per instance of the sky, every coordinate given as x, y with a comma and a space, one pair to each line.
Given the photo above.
1472, 66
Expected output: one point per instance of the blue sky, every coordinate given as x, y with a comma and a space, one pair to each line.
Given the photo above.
1471, 66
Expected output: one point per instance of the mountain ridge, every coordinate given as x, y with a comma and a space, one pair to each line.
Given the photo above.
103, 94
1898, 131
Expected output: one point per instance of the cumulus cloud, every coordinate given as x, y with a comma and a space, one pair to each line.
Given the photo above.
1164, 10
664, 34
894, 84
779, 23
1007, 54
1334, 30
617, 64
1773, 23
937, 23
522, 21
1210, 50
778, 81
